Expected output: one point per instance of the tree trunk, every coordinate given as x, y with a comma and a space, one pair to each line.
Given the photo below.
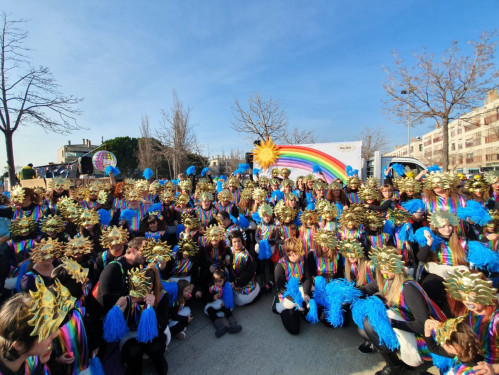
10, 157
445, 144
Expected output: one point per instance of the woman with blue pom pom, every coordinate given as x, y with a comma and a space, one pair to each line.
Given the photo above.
409, 308
266, 236
293, 289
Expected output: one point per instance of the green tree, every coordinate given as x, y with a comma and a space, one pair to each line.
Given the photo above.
125, 149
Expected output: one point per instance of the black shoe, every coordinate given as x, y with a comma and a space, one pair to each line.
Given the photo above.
387, 370
366, 348
161, 366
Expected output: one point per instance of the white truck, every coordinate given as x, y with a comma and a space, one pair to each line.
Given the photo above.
374, 167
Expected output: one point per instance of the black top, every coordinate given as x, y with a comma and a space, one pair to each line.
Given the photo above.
112, 283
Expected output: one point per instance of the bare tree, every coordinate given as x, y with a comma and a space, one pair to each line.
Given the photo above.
177, 135
441, 90
372, 140
29, 95
298, 136
262, 119
147, 154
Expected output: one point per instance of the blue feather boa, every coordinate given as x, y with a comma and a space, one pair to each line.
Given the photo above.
115, 327
312, 315
256, 218
339, 292
127, 214
316, 169
414, 205
483, 257
474, 212
399, 169
375, 310
104, 217
190, 171
243, 222
244, 167
444, 364
228, 296
204, 171
293, 291
96, 367
155, 207
172, 289
320, 295
265, 250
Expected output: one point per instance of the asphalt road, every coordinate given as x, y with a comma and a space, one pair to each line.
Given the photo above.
265, 347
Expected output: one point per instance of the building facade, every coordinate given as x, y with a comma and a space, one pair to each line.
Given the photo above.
224, 165
71, 152
473, 141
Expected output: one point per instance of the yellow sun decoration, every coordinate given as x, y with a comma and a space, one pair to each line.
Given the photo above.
266, 154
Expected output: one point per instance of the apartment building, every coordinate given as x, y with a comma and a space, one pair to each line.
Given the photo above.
473, 140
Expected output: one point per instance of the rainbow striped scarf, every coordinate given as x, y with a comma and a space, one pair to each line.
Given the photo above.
266, 231
33, 366
330, 226
156, 236
287, 231
235, 195
307, 238
326, 267
22, 249
444, 204
379, 240
486, 331
36, 214
444, 254
346, 233
238, 263
205, 216
182, 267
353, 197
73, 338
215, 257
221, 208
291, 270
216, 290
134, 222
370, 272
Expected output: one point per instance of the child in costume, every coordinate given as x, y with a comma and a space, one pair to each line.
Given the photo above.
327, 213
324, 259
266, 233
221, 304
352, 189
180, 314
44, 255
186, 262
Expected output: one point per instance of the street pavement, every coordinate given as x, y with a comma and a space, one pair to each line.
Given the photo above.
265, 347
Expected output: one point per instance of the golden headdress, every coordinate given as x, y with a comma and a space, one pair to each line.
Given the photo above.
190, 221
259, 194
133, 195
169, 185
102, 197
309, 177
274, 181
224, 196
372, 182
445, 329
71, 211
444, 180
49, 308
290, 197
288, 182
78, 245
471, 287
353, 180
284, 213
214, 233
40, 190
157, 251
113, 235
492, 177
22, 226
93, 189
477, 184
75, 270
399, 216
168, 196
263, 181
17, 195
205, 195
142, 186
52, 223
275, 172
387, 259
368, 193
309, 217
285, 172
319, 185
350, 218
373, 219
189, 247
155, 187
247, 193
58, 183
46, 249
249, 184
138, 283
326, 239
440, 218
405, 184
351, 248
88, 217
205, 186
232, 182
326, 209
335, 185
494, 214
78, 193
266, 209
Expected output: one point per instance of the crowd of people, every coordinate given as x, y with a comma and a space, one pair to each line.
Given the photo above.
102, 275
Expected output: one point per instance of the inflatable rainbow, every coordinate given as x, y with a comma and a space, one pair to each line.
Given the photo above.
293, 156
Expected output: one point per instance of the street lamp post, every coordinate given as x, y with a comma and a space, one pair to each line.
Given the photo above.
405, 92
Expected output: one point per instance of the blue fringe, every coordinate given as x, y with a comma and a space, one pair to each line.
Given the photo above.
243, 222
444, 364
244, 167
265, 250
172, 289
388, 227
293, 291
228, 295
127, 214
312, 315
320, 295
339, 292
190, 171
316, 169
148, 326
399, 169
115, 327
155, 207
204, 171
96, 367
414, 205
162, 182
421, 240
483, 257
434, 168
349, 171
475, 212
104, 217
277, 196
256, 218
375, 310
148, 173
256, 171
405, 232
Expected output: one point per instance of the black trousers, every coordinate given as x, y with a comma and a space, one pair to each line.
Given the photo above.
133, 351
291, 320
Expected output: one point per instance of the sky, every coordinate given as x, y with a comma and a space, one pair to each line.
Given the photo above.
321, 60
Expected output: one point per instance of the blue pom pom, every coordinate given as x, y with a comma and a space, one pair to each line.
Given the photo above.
316, 169
256, 171
243, 167
256, 217
339, 292
265, 250
414, 205
116, 171
108, 169
444, 364
180, 229
422, 241
383, 172
483, 257
148, 326
474, 212
96, 367
162, 182
172, 289
434, 168
233, 219
155, 208
7, 194
237, 171
220, 186
127, 214
243, 222
175, 182
222, 177
148, 173
388, 227
310, 207
191, 170
104, 217
320, 295
115, 327
276, 196
312, 315
204, 171
228, 296
375, 310
404, 232
349, 171
293, 291
399, 169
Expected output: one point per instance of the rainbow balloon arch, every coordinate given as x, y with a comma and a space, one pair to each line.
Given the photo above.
269, 155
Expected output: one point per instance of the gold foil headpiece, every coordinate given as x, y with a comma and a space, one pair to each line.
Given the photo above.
17, 195
157, 251
189, 247
351, 248
89, 217
326, 239
440, 218
78, 245
224, 196
214, 233
22, 226
52, 223
75, 270
266, 209
138, 283
387, 259
113, 235
470, 287
46, 249
445, 329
